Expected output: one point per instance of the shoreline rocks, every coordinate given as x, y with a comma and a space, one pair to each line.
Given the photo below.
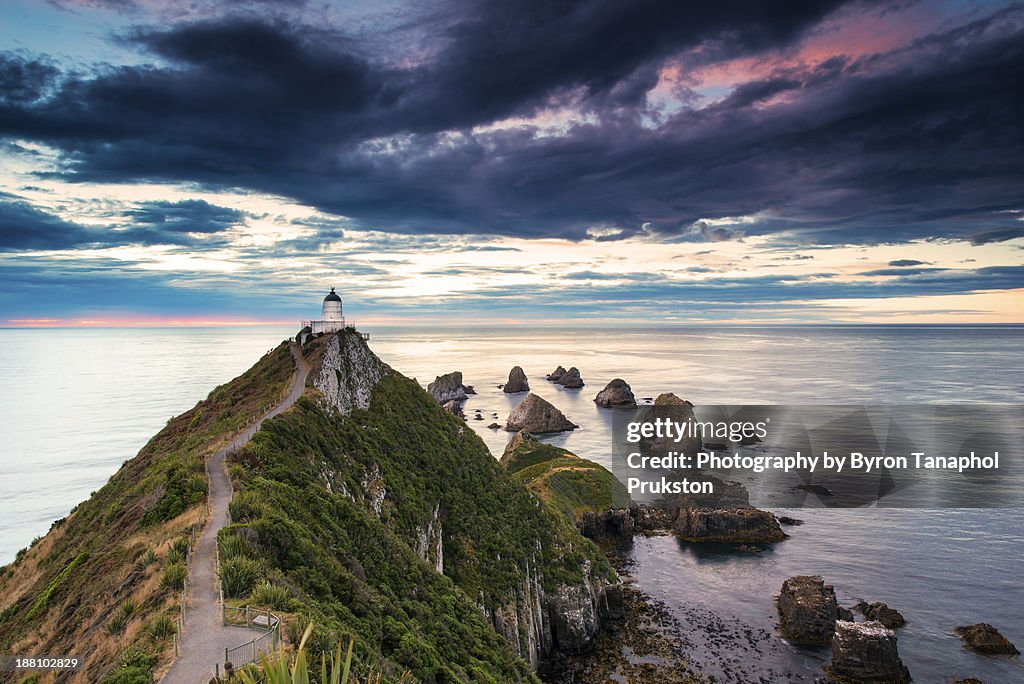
807, 610
880, 612
537, 415
517, 381
984, 638
730, 525
866, 653
616, 393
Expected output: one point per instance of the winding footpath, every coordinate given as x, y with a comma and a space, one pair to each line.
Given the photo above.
205, 638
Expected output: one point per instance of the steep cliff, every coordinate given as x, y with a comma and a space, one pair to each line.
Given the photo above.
387, 517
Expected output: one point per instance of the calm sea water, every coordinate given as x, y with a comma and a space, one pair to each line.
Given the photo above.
76, 403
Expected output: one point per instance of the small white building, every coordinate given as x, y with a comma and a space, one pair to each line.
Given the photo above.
331, 318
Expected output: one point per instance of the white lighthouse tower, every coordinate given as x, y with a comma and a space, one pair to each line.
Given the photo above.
331, 318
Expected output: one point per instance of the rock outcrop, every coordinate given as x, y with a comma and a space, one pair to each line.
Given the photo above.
454, 407
537, 415
448, 387
571, 379
348, 373
866, 653
517, 381
807, 610
556, 375
984, 638
880, 612
616, 393
610, 524
736, 525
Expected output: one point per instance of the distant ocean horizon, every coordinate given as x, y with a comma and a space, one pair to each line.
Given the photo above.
77, 402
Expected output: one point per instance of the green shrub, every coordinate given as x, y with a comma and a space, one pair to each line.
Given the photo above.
233, 546
271, 595
239, 575
180, 545
120, 618
174, 556
135, 667
147, 558
246, 507
174, 576
161, 626
182, 488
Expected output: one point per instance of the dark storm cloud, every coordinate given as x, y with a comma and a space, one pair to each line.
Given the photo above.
924, 141
23, 226
187, 216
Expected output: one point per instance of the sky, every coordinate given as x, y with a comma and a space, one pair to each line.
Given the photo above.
532, 161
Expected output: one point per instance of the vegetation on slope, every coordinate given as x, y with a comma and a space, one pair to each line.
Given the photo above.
125, 545
335, 507
567, 483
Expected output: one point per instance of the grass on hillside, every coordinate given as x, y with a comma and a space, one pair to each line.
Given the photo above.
63, 594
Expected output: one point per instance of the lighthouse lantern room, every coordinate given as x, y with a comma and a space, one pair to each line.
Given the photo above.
331, 318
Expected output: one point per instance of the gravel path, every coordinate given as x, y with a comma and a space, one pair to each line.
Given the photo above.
205, 638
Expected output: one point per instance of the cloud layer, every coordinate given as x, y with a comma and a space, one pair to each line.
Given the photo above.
809, 124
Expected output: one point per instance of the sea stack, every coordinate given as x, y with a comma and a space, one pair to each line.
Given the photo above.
538, 416
517, 381
571, 379
556, 375
865, 652
447, 387
616, 393
808, 610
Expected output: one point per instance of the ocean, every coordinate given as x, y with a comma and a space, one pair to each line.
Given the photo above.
76, 403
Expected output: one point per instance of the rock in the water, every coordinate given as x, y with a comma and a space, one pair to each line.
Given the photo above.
454, 407
616, 393
669, 407
984, 638
556, 375
448, 387
538, 416
969, 680
494, 426
516, 381
866, 653
845, 614
807, 610
571, 379
880, 612
786, 520
736, 525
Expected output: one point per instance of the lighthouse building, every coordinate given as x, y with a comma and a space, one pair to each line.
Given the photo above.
331, 318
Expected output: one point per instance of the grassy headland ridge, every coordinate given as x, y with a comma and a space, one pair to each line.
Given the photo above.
103, 584
378, 514
365, 509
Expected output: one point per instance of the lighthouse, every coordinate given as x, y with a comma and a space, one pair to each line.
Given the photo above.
331, 318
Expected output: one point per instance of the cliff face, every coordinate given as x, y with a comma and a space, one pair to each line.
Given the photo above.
449, 550
347, 374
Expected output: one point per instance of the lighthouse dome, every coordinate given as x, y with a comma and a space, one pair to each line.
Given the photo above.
332, 307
